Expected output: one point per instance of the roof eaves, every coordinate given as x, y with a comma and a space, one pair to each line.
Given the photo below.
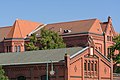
79, 52
81, 33
28, 63
37, 29
102, 55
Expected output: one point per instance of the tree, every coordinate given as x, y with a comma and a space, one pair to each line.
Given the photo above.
32, 44
51, 40
2, 74
116, 57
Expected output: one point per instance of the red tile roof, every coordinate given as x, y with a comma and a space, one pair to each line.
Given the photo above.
4, 32
22, 28
75, 26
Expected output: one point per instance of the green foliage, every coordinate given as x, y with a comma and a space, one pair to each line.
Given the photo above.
33, 38
51, 40
2, 74
32, 44
116, 39
116, 46
116, 57
48, 40
117, 69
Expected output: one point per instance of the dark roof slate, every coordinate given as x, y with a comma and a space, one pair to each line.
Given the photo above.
33, 57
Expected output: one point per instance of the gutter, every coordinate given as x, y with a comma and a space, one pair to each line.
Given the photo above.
11, 64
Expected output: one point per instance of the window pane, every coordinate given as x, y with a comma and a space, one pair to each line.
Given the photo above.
95, 67
15, 49
92, 66
88, 66
85, 66
18, 50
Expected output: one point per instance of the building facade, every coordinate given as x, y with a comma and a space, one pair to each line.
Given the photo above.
78, 64
87, 62
74, 33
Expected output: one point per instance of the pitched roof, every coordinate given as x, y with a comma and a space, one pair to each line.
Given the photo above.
4, 32
36, 57
22, 28
79, 26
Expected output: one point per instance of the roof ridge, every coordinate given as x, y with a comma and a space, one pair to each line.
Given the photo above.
29, 21
19, 28
73, 21
92, 24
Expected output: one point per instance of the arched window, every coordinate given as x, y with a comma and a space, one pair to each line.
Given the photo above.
15, 49
43, 77
18, 49
21, 78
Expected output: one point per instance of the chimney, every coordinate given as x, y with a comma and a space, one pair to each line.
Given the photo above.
109, 19
67, 66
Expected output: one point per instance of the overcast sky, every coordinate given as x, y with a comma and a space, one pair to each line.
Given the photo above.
52, 11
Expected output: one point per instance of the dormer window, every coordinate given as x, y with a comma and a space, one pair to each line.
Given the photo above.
67, 31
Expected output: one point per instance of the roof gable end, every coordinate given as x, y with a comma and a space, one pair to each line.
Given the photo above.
96, 27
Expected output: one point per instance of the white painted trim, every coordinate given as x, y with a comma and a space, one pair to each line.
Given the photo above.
79, 52
29, 63
36, 29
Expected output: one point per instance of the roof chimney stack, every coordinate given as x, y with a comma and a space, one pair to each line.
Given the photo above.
109, 19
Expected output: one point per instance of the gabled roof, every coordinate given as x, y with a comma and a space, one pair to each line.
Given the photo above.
4, 32
22, 28
37, 57
79, 26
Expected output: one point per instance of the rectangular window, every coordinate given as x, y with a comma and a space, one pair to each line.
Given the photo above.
109, 51
107, 38
85, 66
95, 67
92, 66
8, 48
88, 66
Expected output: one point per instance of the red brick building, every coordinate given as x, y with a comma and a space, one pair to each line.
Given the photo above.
74, 33
12, 38
78, 64
86, 65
